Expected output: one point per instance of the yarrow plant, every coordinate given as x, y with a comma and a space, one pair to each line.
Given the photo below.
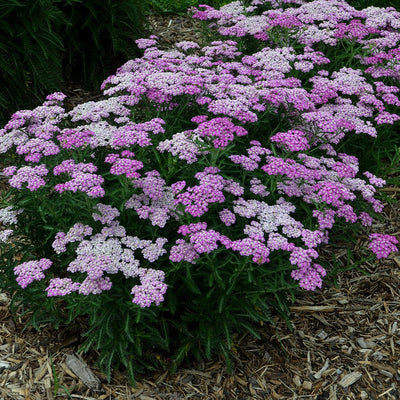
193, 200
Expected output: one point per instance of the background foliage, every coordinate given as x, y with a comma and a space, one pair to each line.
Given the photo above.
30, 53
43, 43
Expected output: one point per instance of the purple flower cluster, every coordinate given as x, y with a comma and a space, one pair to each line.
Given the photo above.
94, 111
30, 271
227, 217
74, 138
310, 276
292, 140
151, 289
36, 148
204, 177
144, 43
61, 287
201, 241
197, 199
106, 215
123, 164
183, 145
131, 134
222, 130
103, 254
156, 203
32, 176
382, 244
75, 234
83, 178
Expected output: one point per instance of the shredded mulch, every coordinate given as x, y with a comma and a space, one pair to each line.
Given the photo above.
344, 342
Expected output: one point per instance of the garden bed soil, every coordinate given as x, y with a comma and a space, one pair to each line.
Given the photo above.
344, 342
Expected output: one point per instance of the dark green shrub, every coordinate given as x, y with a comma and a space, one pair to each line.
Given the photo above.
30, 53
181, 6
360, 4
99, 36
45, 42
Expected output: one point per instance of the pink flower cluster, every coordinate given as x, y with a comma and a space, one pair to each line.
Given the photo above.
151, 289
123, 164
382, 244
36, 148
32, 176
102, 255
222, 130
30, 271
73, 138
83, 178
131, 134
253, 149
75, 234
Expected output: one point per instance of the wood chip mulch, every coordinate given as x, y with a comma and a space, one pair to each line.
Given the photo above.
345, 342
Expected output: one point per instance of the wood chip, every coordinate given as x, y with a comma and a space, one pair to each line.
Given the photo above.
318, 375
79, 367
365, 344
363, 395
297, 381
313, 308
349, 379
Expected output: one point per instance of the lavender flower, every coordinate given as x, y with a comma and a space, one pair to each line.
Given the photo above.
36, 148
61, 287
154, 251
75, 234
73, 138
309, 277
106, 213
30, 271
382, 244
227, 217
8, 216
151, 289
95, 286
5, 234
32, 176
293, 140
83, 178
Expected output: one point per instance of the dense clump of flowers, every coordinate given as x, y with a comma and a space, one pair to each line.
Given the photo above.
198, 194
32, 176
182, 151
382, 244
30, 271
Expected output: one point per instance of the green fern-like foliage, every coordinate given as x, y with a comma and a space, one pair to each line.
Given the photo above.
44, 43
99, 36
182, 6
360, 4
30, 53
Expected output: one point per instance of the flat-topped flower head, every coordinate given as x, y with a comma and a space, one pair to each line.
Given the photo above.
383, 244
30, 271
32, 176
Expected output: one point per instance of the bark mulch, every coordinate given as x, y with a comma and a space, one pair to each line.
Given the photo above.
344, 343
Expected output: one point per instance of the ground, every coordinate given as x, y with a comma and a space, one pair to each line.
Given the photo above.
344, 342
